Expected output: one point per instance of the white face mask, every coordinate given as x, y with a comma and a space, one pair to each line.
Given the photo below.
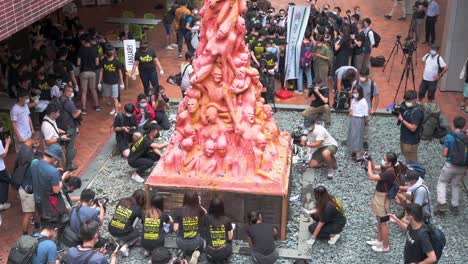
383, 164
128, 115
27, 101
334, 12
72, 95
433, 52
355, 96
363, 79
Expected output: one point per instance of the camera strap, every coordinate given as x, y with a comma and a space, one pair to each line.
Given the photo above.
88, 258
56, 130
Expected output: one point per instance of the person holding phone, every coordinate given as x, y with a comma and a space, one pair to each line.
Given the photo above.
380, 201
328, 215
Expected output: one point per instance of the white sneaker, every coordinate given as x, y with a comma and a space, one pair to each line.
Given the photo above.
330, 174
333, 240
380, 249
169, 48
4, 206
374, 243
310, 242
195, 256
174, 45
146, 253
112, 112
124, 250
137, 178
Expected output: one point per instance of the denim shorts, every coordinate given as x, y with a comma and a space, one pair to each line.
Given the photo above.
168, 28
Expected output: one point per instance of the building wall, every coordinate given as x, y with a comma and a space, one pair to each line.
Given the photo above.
454, 49
18, 14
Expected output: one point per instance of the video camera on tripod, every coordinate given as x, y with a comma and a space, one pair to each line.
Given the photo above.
409, 47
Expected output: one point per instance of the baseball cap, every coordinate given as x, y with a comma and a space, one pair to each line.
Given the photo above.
412, 175
55, 151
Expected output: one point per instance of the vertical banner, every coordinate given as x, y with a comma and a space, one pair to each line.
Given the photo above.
130, 49
298, 16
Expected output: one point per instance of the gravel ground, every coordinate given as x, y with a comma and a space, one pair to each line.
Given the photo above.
350, 185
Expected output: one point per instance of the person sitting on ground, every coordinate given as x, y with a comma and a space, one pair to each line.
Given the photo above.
154, 222
187, 223
218, 232
46, 251
418, 246
261, 238
85, 253
121, 224
143, 111
125, 125
144, 152
380, 201
160, 104
318, 105
86, 210
319, 138
328, 215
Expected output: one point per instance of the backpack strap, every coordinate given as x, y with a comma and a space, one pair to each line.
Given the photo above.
90, 255
183, 72
428, 197
372, 90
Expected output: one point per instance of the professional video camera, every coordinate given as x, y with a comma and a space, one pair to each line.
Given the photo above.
409, 47
298, 134
364, 160
398, 109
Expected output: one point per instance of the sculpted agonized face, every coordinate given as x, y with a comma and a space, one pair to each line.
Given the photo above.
192, 106
250, 115
209, 148
211, 115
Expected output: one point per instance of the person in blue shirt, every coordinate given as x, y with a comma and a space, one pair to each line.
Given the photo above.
451, 173
411, 121
46, 252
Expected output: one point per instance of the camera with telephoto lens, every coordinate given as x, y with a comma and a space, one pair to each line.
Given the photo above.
364, 160
111, 246
102, 201
399, 109
297, 135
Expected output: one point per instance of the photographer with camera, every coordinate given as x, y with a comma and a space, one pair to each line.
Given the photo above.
89, 208
415, 191
411, 117
85, 253
326, 148
319, 104
380, 201
434, 69
52, 134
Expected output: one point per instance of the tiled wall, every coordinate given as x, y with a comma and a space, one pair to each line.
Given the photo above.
18, 14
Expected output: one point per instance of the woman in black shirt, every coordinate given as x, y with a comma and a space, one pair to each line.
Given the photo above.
343, 49
262, 239
126, 212
328, 215
218, 232
154, 220
187, 223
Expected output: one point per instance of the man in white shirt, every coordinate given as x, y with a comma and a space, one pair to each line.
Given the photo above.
20, 119
434, 68
52, 134
326, 148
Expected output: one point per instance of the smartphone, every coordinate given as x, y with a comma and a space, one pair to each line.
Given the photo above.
384, 219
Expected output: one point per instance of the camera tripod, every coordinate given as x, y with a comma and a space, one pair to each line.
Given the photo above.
408, 69
396, 47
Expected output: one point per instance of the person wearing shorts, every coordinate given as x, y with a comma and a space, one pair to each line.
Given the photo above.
380, 203
110, 74
326, 148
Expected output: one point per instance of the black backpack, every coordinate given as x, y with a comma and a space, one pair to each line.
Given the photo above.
378, 61
183, 23
377, 38
459, 153
437, 238
24, 249
60, 102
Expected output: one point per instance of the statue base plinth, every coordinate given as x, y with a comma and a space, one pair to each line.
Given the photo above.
240, 194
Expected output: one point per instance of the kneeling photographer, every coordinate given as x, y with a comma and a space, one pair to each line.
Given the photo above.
410, 116
85, 253
380, 201
89, 208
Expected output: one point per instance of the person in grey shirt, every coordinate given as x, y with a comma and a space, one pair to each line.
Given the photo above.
371, 93
416, 192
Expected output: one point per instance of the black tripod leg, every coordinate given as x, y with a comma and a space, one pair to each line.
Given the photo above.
399, 84
395, 47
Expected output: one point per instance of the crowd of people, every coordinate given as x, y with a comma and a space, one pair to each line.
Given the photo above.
66, 62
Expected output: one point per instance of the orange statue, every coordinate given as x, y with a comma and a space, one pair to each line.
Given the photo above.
225, 135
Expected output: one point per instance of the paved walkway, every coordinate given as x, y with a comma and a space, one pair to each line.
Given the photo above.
96, 128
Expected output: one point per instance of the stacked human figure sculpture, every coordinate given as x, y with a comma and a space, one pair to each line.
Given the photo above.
223, 127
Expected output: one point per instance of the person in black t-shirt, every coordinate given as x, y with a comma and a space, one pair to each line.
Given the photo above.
420, 7
144, 152
63, 69
261, 238
358, 41
154, 222
218, 232
418, 246
258, 48
187, 223
328, 215
380, 201
110, 74
318, 104
268, 69
125, 125
121, 225
88, 61
146, 61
